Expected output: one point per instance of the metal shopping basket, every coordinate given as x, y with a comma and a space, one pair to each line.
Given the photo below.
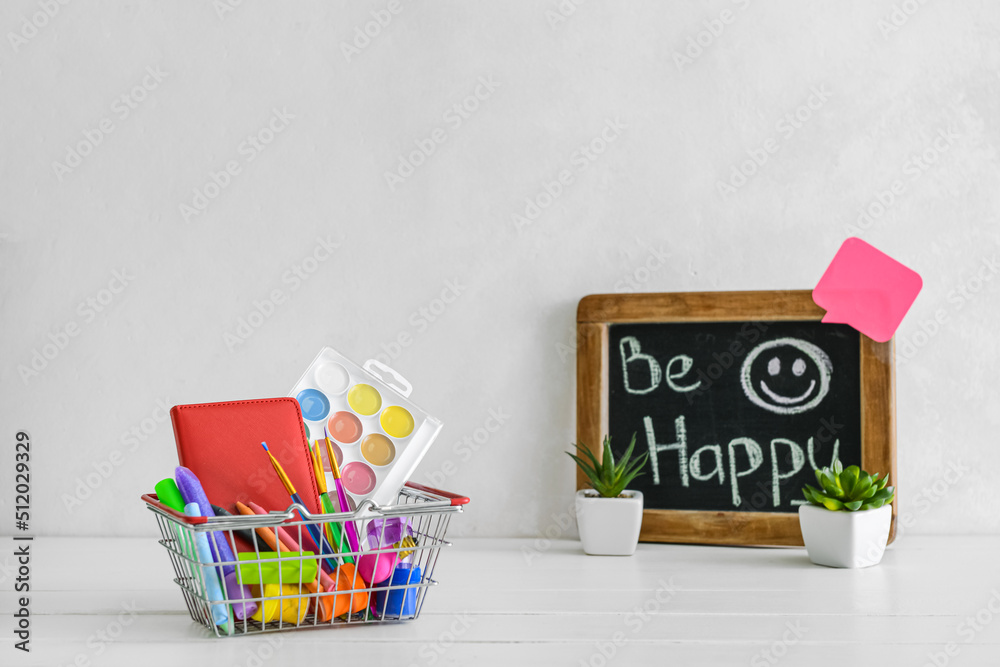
269, 585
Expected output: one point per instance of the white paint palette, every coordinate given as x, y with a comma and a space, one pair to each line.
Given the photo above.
379, 436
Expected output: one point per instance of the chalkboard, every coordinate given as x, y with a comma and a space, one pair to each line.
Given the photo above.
737, 397
734, 416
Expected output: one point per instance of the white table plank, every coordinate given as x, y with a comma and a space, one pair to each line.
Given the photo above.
559, 628
302, 649
859, 600
497, 606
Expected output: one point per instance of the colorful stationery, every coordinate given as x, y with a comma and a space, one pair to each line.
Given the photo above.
376, 566
268, 535
352, 533
324, 546
243, 534
289, 567
289, 543
210, 576
192, 492
380, 435
282, 603
354, 598
169, 494
219, 442
348, 579
334, 532
400, 599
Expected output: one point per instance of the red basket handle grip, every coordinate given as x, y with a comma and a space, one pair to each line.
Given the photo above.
152, 499
454, 497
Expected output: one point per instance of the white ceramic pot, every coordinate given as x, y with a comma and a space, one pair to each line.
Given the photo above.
609, 526
845, 539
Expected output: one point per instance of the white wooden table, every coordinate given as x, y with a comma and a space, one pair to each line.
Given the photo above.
503, 602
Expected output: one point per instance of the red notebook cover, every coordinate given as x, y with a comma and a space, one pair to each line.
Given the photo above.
220, 443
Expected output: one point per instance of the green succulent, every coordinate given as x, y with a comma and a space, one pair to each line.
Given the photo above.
607, 477
849, 489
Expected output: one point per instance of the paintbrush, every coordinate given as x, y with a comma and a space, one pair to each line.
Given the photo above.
289, 543
324, 546
335, 533
352, 533
325, 607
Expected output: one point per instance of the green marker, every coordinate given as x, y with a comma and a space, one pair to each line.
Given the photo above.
169, 494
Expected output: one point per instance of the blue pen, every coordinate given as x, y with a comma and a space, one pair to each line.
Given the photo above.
324, 546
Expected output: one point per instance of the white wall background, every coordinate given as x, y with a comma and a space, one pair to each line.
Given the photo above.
501, 345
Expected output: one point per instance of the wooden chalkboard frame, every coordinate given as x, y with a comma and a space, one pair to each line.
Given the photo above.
878, 401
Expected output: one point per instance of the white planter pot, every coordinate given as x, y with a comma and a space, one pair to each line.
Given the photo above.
609, 526
845, 539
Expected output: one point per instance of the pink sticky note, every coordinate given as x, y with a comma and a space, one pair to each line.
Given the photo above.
867, 289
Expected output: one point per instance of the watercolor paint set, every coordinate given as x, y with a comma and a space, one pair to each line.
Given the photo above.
379, 436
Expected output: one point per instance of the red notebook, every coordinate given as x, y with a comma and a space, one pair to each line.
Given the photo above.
220, 443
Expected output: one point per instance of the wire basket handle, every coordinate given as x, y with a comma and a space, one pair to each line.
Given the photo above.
389, 376
431, 500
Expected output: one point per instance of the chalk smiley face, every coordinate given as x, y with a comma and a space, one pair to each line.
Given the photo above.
786, 375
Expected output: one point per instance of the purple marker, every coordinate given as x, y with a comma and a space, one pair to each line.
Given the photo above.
192, 492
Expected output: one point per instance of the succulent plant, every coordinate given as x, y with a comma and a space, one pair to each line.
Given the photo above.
849, 489
607, 477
